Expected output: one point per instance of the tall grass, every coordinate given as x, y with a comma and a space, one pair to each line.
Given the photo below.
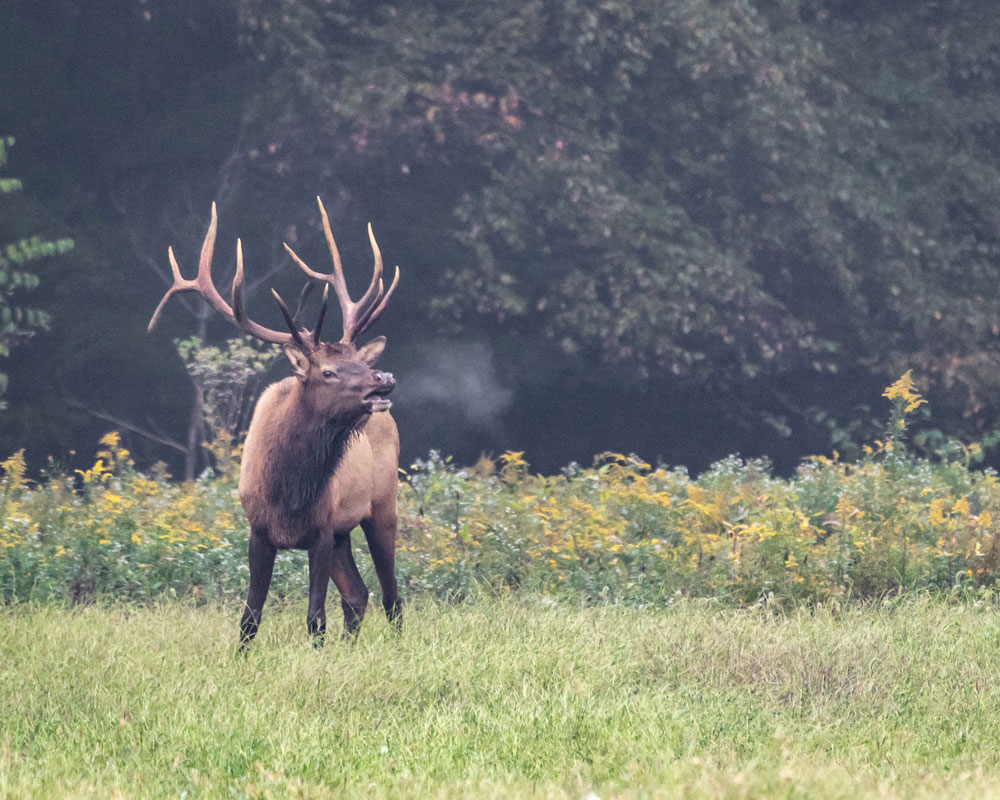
500, 698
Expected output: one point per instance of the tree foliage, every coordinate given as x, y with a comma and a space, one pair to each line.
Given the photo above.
18, 322
228, 378
748, 215
726, 192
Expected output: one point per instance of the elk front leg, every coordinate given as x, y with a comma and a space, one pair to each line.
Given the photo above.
353, 592
261, 556
320, 558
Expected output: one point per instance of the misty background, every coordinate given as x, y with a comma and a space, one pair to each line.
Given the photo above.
683, 229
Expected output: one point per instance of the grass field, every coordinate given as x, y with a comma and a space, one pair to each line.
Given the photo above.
524, 698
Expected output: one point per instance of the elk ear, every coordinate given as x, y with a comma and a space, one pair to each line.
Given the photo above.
298, 359
370, 352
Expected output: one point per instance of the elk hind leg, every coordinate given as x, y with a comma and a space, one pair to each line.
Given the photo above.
320, 555
345, 575
380, 531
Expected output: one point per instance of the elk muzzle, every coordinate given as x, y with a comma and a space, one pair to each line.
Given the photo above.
376, 399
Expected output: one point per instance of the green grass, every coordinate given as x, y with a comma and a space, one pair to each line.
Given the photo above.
504, 699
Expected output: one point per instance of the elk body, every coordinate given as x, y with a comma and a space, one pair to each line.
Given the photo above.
322, 451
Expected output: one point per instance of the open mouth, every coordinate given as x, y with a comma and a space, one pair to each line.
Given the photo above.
377, 400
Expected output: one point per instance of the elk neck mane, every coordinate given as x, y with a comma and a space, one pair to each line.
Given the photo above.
304, 456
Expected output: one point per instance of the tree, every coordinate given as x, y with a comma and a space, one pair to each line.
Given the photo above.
133, 115
18, 322
686, 228
779, 201
228, 380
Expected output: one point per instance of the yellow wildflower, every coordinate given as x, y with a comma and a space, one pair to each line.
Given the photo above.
905, 390
513, 459
935, 513
14, 469
961, 507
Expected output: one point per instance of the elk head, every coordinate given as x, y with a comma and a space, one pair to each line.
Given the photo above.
337, 379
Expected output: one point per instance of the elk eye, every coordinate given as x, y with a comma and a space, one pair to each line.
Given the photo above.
329, 373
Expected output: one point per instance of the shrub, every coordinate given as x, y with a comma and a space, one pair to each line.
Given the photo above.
619, 531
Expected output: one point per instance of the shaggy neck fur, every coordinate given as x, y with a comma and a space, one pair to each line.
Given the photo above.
308, 456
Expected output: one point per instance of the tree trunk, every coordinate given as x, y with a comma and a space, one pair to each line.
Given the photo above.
196, 422
194, 434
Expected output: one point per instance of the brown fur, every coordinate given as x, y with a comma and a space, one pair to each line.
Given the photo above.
321, 457
357, 486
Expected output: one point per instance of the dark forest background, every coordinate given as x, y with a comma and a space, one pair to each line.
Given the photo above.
683, 228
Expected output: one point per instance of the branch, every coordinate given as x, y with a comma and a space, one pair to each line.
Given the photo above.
124, 423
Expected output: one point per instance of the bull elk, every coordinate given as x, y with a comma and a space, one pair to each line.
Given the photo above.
322, 451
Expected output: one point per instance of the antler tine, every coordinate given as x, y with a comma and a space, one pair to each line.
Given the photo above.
322, 316
335, 278
249, 326
358, 315
179, 285
374, 290
295, 335
182, 284
361, 316
316, 276
238, 314
376, 310
374, 301
206, 288
303, 296
204, 279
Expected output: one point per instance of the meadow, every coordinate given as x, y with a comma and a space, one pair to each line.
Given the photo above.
616, 630
503, 698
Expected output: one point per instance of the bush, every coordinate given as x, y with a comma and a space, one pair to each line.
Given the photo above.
619, 531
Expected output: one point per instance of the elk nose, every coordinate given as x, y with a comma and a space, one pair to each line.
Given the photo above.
385, 381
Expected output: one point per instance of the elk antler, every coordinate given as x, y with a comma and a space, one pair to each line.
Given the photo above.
358, 316
204, 285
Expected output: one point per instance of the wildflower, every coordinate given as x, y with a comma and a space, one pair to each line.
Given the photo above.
935, 514
513, 459
13, 470
905, 390
961, 507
